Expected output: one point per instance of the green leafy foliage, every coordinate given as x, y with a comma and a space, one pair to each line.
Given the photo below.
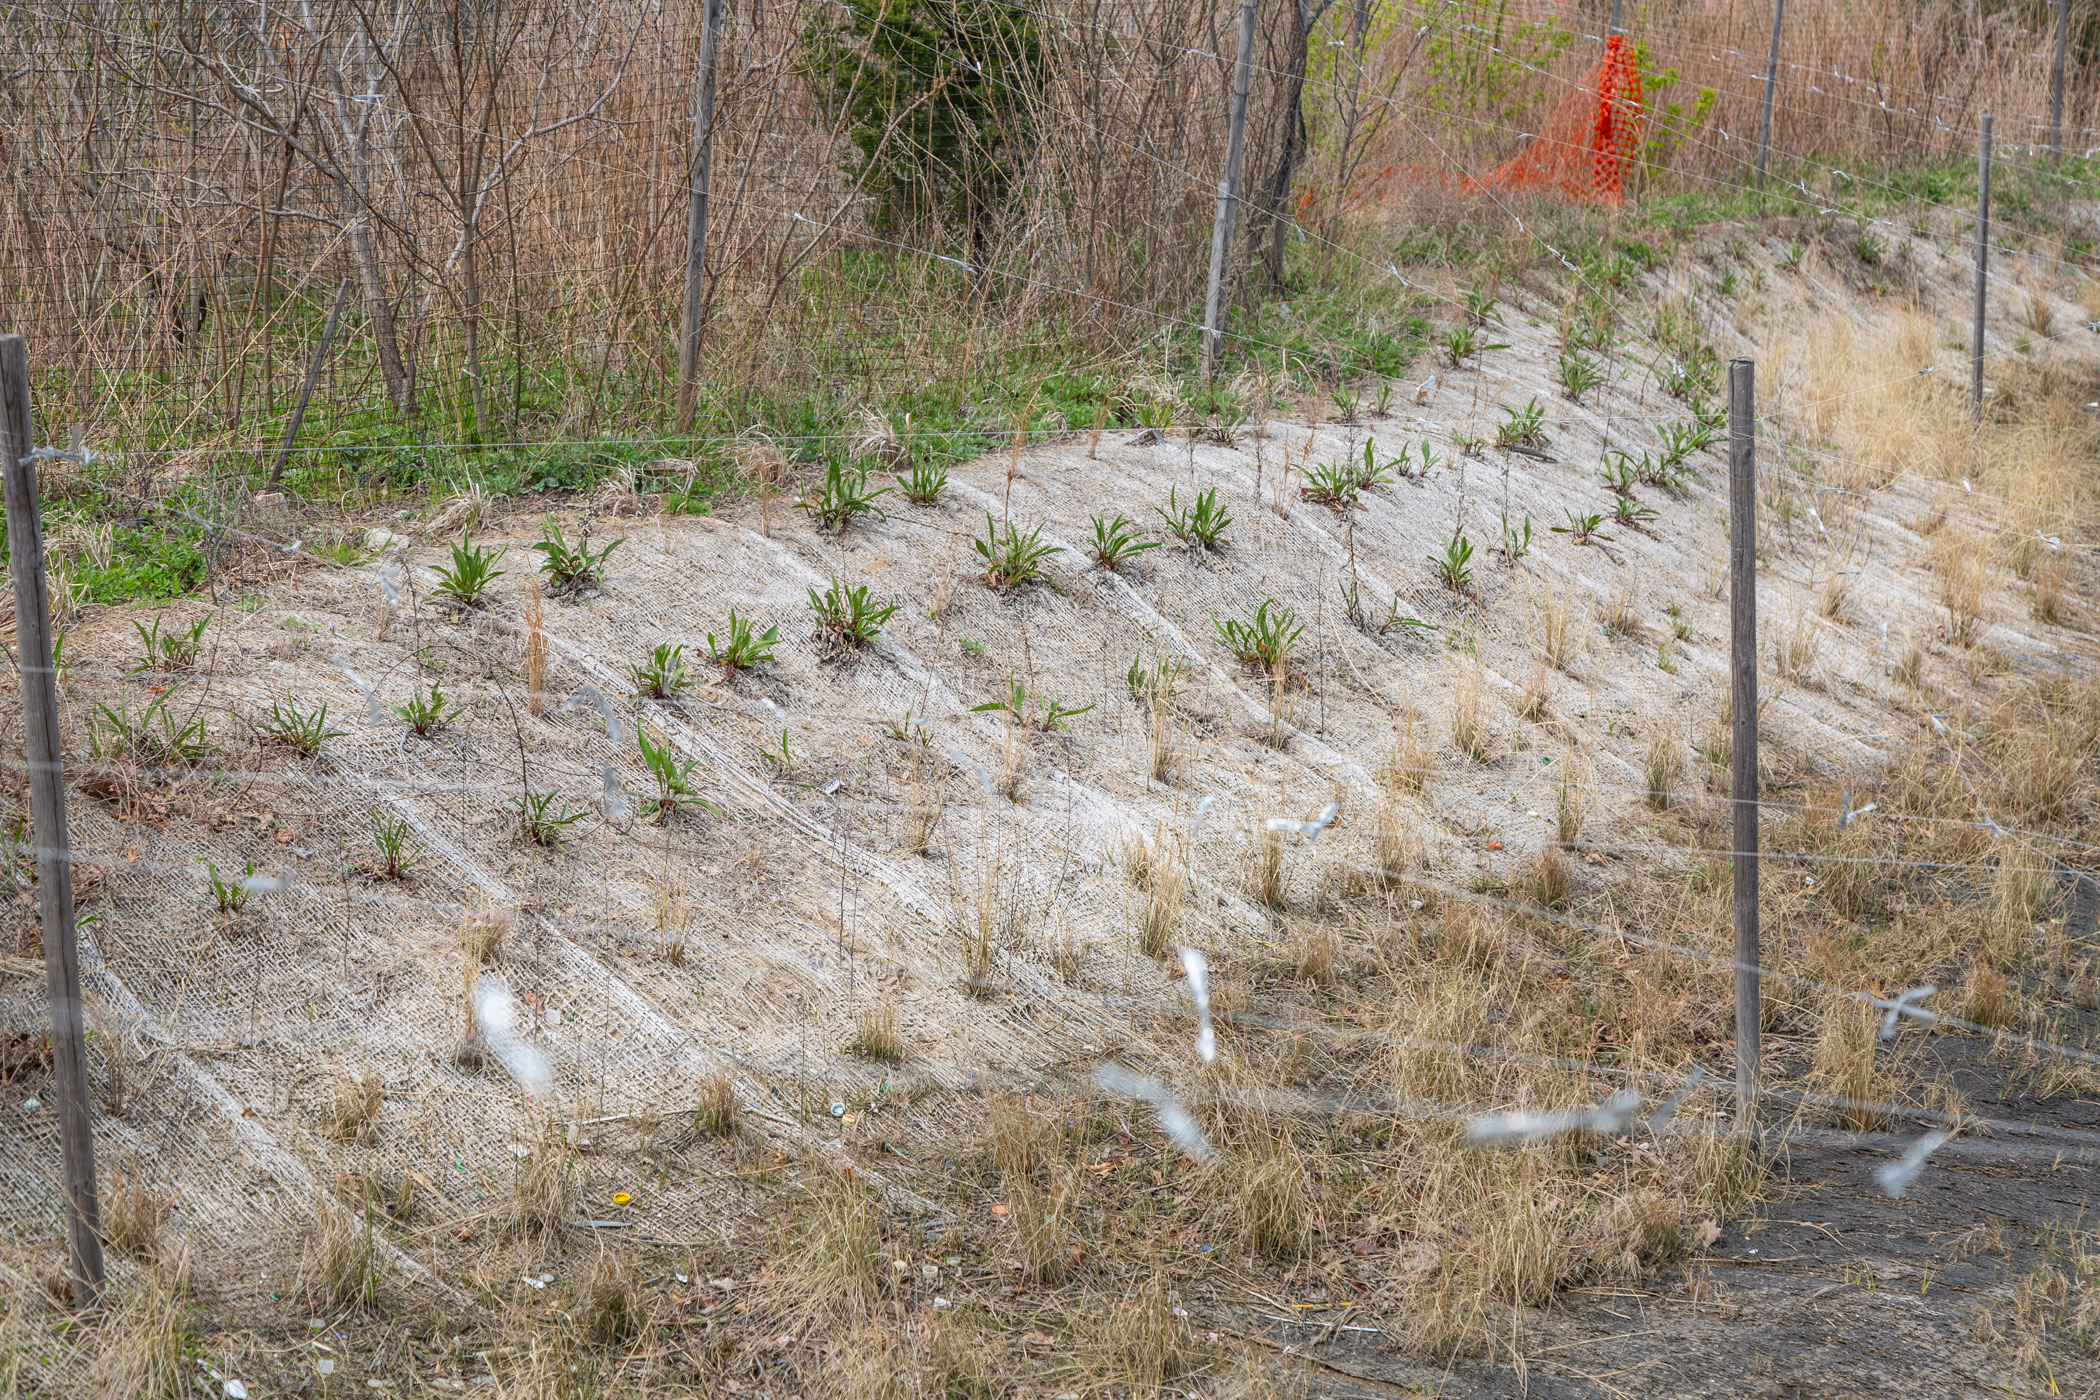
230, 895
392, 837
1627, 511
1372, 474
674, 786
1012, 558
1043, 713
1578, 374
1454, 563
1462, 342
1331, 484
741, 647
571, 568
1264, 640
171, 650
544, 818
850, 615
922, 486
472, 572
1515, 544
1580, 527
662, 676
301, 731
1521, 427
427, 714
153, 736
843, 498
1116, 541
936, 97
1203, 523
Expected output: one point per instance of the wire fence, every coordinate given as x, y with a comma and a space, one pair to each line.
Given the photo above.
904, 200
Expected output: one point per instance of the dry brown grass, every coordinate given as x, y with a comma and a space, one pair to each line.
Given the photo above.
1157, 866
133, 1211
1795, 649
875, 1034
1662, 767
1558, 634
1404, 764
1470, 734
1536, 701
352, 1114
1959, 562
345, 1258
716, 1113
1845, 1067
142, 1346
1264, 876
535, 651
1984, 996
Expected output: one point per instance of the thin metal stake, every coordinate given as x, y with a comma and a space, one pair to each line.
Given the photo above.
1742, 570
47, 814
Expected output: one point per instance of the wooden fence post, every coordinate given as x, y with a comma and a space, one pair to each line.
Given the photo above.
1214, 304
2056, 80
696, 217
1764, 126
1742, 607
47, 815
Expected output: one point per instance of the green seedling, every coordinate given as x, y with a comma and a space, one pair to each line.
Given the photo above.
426, 714
1330, 484
1265, 640
544, 818
231, 895
851, 615
923, 485
662, 676
571, 568
1454, 563
301, 731
843, 498
1579, 528
398, 853
1204, 523
1013, 558
1578, 374
1116, 541
674, 787
1521, 427
1015, 704
471, 574
167, 651
741, 648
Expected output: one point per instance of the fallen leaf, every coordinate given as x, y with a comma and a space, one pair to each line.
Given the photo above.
1706, 1232
999, 1211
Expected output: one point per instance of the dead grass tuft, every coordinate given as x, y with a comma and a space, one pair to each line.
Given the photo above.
608, 1308
875, 1035
1558, 635
1265, 878
143, 1343
1844, 1064
132, 1211
837, 1271
352, 1114
344, 1260
1662, 767
1983, 996
1157, 864
715, 1115
1469, 726
1551, 878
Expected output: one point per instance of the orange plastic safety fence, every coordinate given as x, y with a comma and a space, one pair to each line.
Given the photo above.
1586, 148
